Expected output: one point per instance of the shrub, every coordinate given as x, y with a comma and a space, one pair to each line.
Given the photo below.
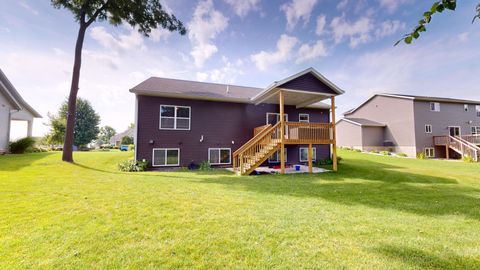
126, 140
421, 155
357, 150
131, 147
205, 166
132, 166
36, 150
385, 153
402, 155
468, 159
374, 152
339, 159
22, 145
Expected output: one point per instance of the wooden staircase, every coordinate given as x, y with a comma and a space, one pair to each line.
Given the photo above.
462, 145
253, 153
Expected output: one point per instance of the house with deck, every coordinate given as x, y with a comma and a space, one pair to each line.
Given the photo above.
438, 127
178, 123
13, 108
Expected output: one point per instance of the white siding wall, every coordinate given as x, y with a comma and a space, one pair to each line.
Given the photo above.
5, 108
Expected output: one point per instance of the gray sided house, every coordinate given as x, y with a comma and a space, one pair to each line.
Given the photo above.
12, 108
181, 122
438, 127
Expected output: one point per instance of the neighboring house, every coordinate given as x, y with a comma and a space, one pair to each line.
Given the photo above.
179, 122
12, 107
413, 124
117, 138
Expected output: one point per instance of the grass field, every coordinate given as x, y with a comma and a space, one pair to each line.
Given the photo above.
375, 213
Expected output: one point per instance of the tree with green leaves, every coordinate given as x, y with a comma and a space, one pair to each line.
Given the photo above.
126, 140
437, 7
106, 133
143, 14
86, 127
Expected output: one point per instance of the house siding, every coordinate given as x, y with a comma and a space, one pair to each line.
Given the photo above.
397, 114
450, 114
349, 135
5, 107
308, 82
220, 124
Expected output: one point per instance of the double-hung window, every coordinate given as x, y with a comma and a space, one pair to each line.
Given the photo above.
304, 154
430, 152
475, 130
477, 109
166, 157
303, 117
218, 156
434, 106
275, 158
428, 128
465, 107
175, 117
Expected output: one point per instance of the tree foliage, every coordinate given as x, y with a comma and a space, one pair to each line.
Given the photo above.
437, 7
106, 133
145, 15
126, 140
86, 127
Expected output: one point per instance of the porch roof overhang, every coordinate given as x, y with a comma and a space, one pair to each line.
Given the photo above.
299, 90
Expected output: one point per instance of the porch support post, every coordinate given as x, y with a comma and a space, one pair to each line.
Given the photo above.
29, 128
282, 133
334, 135
447, 151
310, 154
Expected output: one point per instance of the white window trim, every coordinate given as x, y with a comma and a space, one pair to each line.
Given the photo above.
279, 158
459, 130
466, 107
166, 150
426, 151
436, 109
219, 149
304, 114
431, 129
278, 116
314, 154
477, 110
175, 117
475, 130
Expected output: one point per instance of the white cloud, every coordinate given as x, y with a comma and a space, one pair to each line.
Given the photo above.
263, 60
226, 74
309, 52
206, 24
296, 10
243, 7
160, 34
321, 22
392, 5
388, 28
342, 4
28, 8
464, 37
357, 32
132, 41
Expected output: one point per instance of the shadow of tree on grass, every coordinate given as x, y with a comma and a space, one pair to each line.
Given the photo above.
15, 162
371, 184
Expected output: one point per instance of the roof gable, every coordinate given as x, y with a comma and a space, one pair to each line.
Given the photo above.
308, 82
9, 90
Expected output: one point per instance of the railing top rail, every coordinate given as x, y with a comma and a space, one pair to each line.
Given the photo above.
257, 138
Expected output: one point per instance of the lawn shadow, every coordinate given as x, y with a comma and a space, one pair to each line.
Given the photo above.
424, 260
373, 184
15, 162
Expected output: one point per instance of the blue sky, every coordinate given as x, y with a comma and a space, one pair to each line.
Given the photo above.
245, 42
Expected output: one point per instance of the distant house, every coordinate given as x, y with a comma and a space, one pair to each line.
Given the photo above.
180, 122
438, 127
12, 107
117, 138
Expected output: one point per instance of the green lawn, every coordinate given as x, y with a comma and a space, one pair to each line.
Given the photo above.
375, 213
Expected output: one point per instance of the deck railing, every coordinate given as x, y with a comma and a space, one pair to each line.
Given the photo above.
306, 133
458, 144
259, 129
473, 139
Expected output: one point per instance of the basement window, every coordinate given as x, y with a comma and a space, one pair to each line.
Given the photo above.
428, 128
275, 158
218, 156
166, 157
304, 154
430, 152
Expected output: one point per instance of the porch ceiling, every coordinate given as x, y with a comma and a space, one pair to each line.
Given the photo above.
293, 97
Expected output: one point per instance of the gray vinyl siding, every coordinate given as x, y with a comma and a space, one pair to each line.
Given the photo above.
397, 114
349, 135
450, 114
372, 136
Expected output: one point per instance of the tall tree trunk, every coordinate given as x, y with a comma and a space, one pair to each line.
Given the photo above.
72, 99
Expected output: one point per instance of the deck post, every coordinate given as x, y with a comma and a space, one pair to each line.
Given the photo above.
282, 133
310, 154
334, 135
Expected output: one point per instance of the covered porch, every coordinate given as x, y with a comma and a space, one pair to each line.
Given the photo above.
304, 89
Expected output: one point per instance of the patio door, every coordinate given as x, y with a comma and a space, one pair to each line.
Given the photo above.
454, 131
273, 118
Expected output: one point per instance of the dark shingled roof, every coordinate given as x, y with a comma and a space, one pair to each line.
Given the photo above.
176, 88
363, 122
433, 99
